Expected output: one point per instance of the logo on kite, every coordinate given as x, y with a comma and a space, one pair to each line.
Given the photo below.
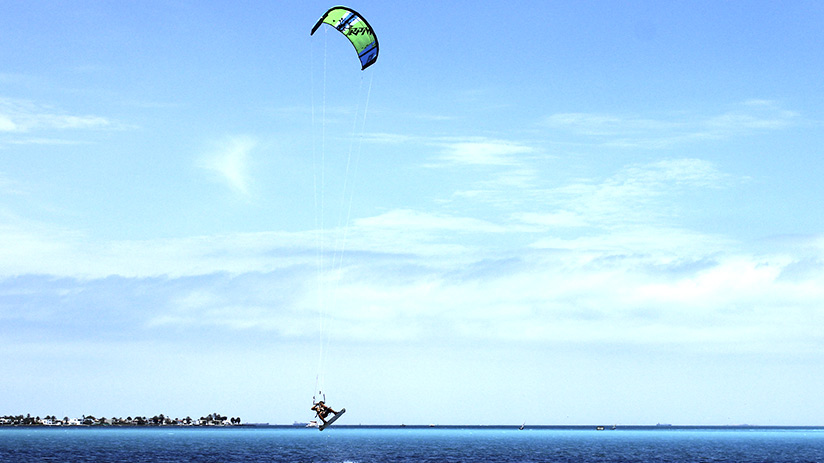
358, 31
352, 25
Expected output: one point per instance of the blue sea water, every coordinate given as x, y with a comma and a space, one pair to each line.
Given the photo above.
439, 444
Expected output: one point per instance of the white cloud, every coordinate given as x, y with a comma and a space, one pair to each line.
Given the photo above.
410, 220
632, 131
615, 214
388, 138
673, 173
440, 237
634, 194
669, 243
644, 285
560, 218
25, 116
484, 152
6, 124
730, 304
230, 161
73, 122
624, 275
9, 187
33, 248
608, 124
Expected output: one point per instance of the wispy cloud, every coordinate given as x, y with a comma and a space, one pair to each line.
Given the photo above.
9, 186
637, 193
722, 300
483, 152
608, 124
672, 173
230, 162
19, 116
464, 151
415, 276
752, 115
626, 276
406, 219
7, 124
633, 131
388, 138
418, 233
36, 248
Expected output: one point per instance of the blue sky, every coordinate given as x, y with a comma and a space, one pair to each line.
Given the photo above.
551, 212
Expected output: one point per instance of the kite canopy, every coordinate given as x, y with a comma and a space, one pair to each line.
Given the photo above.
351, 24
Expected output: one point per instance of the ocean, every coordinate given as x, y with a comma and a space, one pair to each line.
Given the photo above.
412, 444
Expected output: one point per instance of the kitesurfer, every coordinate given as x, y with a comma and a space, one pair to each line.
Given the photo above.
323, 410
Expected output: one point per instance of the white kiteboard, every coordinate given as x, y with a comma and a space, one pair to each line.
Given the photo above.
332, 420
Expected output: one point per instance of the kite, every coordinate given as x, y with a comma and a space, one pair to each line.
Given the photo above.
351, 24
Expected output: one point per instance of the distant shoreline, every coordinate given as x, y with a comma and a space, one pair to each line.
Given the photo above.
599, 428
161, 420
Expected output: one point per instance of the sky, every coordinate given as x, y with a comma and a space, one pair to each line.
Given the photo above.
558, 212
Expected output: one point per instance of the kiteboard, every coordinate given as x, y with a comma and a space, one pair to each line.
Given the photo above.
332, 420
